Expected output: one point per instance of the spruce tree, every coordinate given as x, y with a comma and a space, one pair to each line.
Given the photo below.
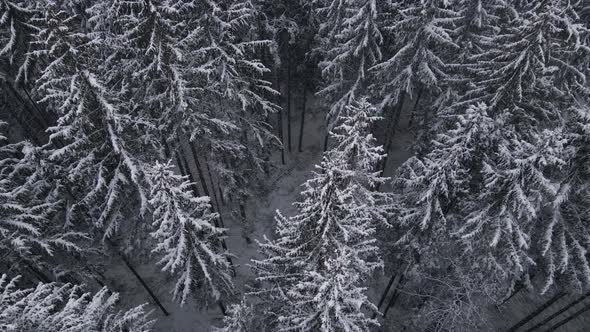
186, 238
350, 43
323, 255
61, 308
33, 234
418, 63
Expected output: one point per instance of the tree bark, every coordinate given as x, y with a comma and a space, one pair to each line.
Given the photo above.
143, 283
185, 168
40, 275
220, 193
218, 223
199, 169
516, 290
391, 128
212, 183
28, 120
384, 295
289, 102
413, 110
302, 124
568, 319
395, 295
280, 123
222, 307
559, 312
535, 313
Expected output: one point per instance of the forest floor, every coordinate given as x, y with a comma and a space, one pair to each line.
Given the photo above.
282, 189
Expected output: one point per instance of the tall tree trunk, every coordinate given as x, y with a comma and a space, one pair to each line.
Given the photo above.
40, 275
37, 115
539, 310
214, 205
519, 287
143, 283
199, 169
413, 110
222, 307
302, 124
185, 169
280, 122
385, 292
559, 312
391, 129
220, 193
395, 295
326, 139
568, 319
289, 102
51, 115
214, 192
28, 120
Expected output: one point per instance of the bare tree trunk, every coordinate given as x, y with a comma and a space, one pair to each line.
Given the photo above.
385, 292
326, 140
568, 319
559, 312
391, 129
222, 307
143, 283
199, 169
517, 290
413, 110
185, 169
395, 295
214, 204
28, 120
47, 122
220, 193
213, 191
535, 313
280, 123
289, 102
40, 275
302, 124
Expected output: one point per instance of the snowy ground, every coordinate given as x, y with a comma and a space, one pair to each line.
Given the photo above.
283, 188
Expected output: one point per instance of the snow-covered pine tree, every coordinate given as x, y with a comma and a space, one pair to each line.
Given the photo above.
502, 199
527, 67
417, 65
187, 238
333, 231
476, 24
227, 55
240, 318
331, 227
330, 299
356, 149
61, 308
92, 137
355, 145
430, 190
350, 41
536, 84
17, 27
500, 189
419, 59
205, 81
32, 230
